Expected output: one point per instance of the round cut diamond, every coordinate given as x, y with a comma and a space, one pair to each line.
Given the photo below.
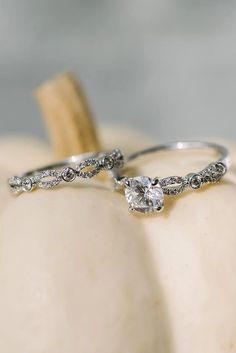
27, 184
68, 174
144, 194
15, 184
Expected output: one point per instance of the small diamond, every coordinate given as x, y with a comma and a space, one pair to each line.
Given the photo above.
118, 158
82, 170
27, 184
108, 162
68, 174
143, 195
47, 179
195, 181
15, 184
216, 171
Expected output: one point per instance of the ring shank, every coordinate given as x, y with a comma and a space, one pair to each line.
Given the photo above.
64, 163
185, 145
179, 145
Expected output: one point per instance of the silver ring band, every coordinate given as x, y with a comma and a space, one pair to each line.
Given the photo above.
66, 170
146, 195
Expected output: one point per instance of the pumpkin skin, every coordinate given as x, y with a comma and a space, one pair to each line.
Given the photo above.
79, 273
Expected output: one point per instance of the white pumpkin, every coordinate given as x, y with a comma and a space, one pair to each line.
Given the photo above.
78, 273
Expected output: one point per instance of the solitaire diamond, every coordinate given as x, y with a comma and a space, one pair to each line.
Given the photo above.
144, 194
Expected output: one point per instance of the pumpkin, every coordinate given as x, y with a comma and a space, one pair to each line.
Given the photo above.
78, 273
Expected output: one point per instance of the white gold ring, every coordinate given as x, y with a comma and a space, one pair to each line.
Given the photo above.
146, 195
67, 170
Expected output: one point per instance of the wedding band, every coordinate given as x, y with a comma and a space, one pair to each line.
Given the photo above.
146, 195
66, 170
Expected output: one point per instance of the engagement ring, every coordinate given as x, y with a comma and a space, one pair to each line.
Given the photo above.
146, 195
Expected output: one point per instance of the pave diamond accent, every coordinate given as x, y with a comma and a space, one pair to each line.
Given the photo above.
144, 194
173, 185
118, 158
214, 172
91, 162
47, 184
211, 174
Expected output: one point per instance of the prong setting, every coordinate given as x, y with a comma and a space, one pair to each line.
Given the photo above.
142, 196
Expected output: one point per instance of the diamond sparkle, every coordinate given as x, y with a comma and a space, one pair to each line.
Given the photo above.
144, 194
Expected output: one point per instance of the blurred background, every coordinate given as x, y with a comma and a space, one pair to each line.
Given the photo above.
165, 67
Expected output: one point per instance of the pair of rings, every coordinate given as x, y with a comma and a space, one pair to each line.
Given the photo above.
143, 194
